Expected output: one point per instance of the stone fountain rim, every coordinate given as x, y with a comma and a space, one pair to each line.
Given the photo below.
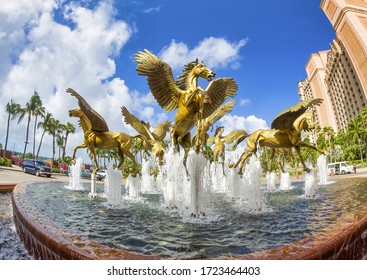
62, 244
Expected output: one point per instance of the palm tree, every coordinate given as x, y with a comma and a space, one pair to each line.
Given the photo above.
45, 124
60, 143
355, 130
39, 110
69, 128
32, 105
13, 109
328, 133
55, 128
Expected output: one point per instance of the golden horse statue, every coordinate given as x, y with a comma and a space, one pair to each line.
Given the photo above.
96, 134
285, 132
152, 141
236, 136
201, 136
193, 103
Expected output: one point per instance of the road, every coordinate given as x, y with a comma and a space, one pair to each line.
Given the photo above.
15, 175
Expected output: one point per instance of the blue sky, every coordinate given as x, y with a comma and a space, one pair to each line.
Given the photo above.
50, 45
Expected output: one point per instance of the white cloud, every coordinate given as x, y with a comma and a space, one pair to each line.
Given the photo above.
40, 53
152, 10
51, 56
215, 52
244, 101
249, 124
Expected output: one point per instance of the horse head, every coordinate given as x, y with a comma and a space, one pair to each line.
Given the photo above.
158, 152
75, 113
201, 70
309, 121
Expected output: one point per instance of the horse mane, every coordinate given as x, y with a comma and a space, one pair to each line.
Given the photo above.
305, 125
162, 129
181, 82
217, 130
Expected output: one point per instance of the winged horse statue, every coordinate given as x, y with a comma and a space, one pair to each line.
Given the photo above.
201, 136
152, 141
97, 134
285, 132
193, 103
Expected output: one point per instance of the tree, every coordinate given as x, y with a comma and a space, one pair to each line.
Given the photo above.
55, 128
39, 110
13, 109
355, 131
69, 128
31, 107
45, 124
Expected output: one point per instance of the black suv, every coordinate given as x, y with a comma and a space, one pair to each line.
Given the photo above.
37, 167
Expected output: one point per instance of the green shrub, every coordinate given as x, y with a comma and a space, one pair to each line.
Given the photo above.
5, 162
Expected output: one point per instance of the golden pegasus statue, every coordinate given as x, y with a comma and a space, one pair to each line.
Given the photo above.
201, 135
236, 136
285, 132
193, 103
152, 141
97, 134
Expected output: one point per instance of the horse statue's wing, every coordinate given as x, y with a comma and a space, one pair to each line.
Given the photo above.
285, 120
217, 91
140, 126
221, 111
236, 136
161, 130
210, 140
97, 121
160, 79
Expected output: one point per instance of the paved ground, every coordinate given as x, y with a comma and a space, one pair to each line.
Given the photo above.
15, 175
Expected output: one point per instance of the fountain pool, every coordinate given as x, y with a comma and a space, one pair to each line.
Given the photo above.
56, 223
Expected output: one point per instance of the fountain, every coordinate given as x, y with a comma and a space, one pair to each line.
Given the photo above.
55, 223
270, 181
113, 187
285, 182
74, 176
198, 210
323, 170
147, 180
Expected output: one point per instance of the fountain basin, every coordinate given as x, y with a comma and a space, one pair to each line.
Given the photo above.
333, 227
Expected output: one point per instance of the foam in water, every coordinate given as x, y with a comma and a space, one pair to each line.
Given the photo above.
75, 183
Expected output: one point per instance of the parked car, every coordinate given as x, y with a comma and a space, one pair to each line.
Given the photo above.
85, 173
341, 167
102, 173
36, 167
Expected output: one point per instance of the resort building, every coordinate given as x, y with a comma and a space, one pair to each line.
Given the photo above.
339, 75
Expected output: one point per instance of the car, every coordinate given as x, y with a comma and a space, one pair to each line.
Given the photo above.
102, 173
86, 174
36, 167
341, 167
